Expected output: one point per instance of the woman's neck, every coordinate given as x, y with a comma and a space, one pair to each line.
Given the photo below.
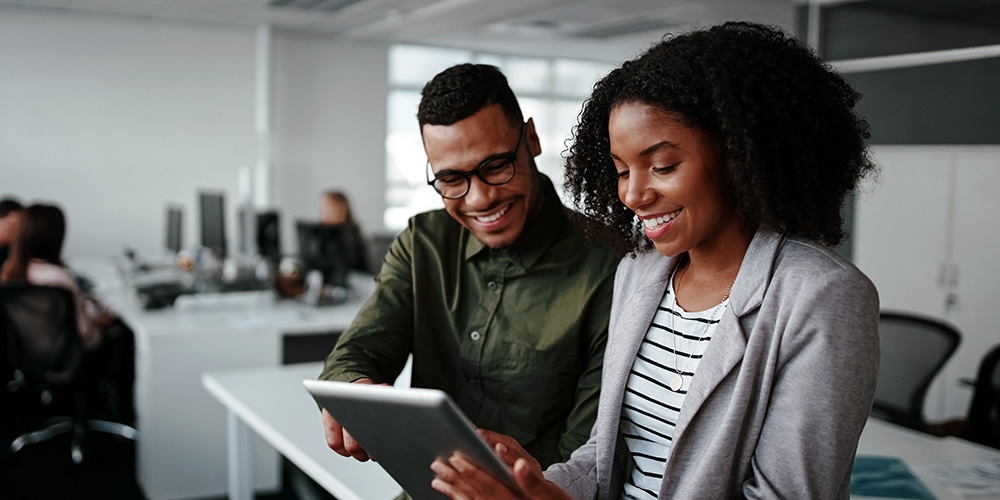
707, 273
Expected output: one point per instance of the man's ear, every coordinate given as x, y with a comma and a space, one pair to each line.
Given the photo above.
534, 145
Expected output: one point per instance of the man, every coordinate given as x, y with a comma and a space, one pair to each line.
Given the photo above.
498, 298
10, 214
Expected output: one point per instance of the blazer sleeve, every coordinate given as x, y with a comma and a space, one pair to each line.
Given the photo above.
823, 388
578, 475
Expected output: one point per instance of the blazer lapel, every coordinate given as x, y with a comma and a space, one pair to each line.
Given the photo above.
628, 332
729, 342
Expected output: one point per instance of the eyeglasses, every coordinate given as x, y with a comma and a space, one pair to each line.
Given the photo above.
495, 170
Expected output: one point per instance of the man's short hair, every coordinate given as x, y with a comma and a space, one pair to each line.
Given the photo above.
461, 90
8, 205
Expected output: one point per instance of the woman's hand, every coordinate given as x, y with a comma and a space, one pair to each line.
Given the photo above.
459, 478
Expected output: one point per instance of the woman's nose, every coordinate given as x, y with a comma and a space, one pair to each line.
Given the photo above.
634, 190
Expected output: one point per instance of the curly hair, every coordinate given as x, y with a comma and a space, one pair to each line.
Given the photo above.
790, 142
461, 90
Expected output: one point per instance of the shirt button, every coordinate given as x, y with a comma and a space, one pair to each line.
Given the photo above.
475, 335
492, 285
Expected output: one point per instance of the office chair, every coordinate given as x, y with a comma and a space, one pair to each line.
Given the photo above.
914, 349
982, 425
378, 246
46, 355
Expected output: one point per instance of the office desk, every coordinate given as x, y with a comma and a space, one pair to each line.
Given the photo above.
919, 450
272, 403
181, 450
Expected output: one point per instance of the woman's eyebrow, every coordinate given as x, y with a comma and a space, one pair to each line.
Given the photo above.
658, 146
650, 150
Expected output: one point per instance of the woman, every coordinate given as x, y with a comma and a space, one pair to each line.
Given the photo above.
742, 352
36, 257
335, 210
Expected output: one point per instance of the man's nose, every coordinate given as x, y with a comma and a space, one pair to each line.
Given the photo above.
481, 195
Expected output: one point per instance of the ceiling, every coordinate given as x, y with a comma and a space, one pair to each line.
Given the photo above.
594, 29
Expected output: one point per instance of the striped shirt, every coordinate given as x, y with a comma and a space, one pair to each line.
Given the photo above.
675, 342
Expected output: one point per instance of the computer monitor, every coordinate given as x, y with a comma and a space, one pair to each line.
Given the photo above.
213, 221
269, 235
174, 239
321, 248
266, 232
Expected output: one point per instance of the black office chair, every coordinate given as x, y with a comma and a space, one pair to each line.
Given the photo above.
982, 424
45, 353
914, 349
378, 245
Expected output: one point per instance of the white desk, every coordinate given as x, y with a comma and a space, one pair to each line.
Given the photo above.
181, 451
272, 403
919, 450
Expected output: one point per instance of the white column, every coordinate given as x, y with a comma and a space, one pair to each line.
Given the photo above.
263, 171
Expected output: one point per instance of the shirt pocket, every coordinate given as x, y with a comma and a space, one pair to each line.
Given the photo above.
524, 375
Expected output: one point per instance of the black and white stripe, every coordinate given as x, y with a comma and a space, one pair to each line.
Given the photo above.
676, 340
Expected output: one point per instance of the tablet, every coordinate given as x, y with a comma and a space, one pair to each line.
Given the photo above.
406, 429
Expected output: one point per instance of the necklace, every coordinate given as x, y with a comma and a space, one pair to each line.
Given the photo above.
677, 381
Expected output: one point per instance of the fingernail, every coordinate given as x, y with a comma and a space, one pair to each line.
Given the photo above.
502, 448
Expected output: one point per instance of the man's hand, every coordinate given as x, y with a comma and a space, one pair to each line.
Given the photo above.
339, 440
460, 479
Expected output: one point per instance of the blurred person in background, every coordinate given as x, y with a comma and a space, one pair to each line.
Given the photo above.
335, 210
10, 213
36, 258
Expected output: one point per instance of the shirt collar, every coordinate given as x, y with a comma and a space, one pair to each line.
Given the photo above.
536, 236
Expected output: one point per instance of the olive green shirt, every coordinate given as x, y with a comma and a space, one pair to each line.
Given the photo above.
515, 336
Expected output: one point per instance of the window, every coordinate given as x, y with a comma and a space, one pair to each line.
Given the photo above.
549, 90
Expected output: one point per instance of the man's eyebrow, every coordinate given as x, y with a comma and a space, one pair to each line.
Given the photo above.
507, 155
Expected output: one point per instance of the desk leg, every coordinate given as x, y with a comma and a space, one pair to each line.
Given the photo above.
240, 459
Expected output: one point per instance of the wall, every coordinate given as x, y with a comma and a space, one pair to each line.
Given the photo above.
115, 117
949, 103
330, 127
953, 103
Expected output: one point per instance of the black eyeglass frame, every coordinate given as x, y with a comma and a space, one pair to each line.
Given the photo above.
509, 157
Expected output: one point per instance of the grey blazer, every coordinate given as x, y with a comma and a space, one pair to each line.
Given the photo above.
781, 396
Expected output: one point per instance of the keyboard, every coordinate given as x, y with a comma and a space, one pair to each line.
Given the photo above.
160, 295
236, 301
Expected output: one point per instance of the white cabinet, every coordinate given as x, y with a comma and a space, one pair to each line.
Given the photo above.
927, 234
